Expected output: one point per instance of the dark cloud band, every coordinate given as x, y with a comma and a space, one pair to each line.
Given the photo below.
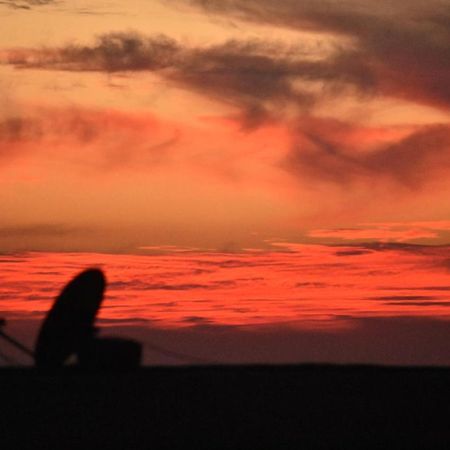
25, 4
402, 50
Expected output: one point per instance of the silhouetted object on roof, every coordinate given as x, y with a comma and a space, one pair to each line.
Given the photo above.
69, 330
69, 324
110, 353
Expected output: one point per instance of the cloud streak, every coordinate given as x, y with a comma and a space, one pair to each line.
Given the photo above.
377, 50
381, 50
262, 76
256, 76
26, 4
323, 150
39, 230
384, 232
105, 139
401, 52
269, 81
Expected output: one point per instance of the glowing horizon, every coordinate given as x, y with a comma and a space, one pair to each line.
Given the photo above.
215, 128
190, 129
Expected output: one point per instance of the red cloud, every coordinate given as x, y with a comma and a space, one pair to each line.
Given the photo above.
334, 151
97, 138
380, 234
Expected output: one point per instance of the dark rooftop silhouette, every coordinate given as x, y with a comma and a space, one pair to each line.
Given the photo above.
220, 407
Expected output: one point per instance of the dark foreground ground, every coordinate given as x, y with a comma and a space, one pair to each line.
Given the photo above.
249, 408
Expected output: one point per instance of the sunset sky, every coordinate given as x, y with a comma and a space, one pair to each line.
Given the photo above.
273, 169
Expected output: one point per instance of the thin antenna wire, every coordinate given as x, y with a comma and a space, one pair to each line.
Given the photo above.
8, 359
17, 344
178, 355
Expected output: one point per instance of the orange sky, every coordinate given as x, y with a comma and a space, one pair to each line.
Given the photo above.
163, 122
308, 286
223, 126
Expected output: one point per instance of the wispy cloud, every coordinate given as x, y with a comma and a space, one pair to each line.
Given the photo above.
375, 49
39, 230
396, 50
138, 285
117, 139
126, 51
320, 284
324, 150
417, 288
351, 234
384, 232
26, 4
60, 6
429, 304
268, 81
263, 76
256, 76
402, 298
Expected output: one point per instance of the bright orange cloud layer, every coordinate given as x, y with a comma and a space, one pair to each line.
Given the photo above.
297, 285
